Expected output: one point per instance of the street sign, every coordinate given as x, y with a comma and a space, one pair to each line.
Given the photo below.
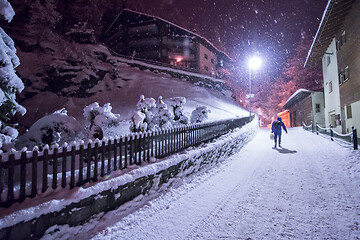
249, 96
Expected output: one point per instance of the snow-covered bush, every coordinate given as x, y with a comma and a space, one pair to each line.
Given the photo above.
177, 104
200, 114
80, 33
165, 116
55, 128
147, 106
10, 83
137, 122
100, 121
43, 19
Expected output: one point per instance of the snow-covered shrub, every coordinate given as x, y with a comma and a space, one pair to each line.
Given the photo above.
57, 127
165, 115
100, 121
80, 33
10, 83
147, 106
177, 104
43, 19
200, 114
137, 122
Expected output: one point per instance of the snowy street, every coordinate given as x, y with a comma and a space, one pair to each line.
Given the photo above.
306, 190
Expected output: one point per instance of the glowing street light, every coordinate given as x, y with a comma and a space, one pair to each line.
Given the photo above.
254, 64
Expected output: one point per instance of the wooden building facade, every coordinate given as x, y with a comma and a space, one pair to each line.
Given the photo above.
143, 36
337, 46
305, 106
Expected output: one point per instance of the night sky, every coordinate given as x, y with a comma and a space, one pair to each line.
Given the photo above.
243, 28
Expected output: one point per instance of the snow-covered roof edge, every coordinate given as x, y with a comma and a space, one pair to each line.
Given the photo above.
299, 91
175, 25
333, 18
320, 28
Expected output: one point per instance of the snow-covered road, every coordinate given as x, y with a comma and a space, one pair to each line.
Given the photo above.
307, 190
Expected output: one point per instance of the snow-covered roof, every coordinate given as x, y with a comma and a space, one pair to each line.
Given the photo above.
299, 95
331, 21
173, 24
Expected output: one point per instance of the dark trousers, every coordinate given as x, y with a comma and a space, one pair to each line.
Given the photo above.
276, 136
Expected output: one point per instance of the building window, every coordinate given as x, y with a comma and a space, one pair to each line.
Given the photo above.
206, 68
206, 56
212, 61
341, 78
346, 73
328, 60
348, 111
332, 120
341, 41
330, 87
343, 38
317, 108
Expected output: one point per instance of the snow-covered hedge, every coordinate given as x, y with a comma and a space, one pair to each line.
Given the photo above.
100, 121
152, 115
57, 127
200, 114
177, 104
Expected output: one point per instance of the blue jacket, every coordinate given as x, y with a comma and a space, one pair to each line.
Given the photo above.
277, 125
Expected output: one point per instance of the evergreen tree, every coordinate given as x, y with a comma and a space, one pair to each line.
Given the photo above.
10, 83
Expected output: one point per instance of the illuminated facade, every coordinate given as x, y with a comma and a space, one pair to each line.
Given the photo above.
141, 36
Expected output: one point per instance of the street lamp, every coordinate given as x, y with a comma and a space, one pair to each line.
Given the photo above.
254, 64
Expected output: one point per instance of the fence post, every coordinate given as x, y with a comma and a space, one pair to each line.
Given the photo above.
72, 166
63, 166
317, 128
10, 196
55, 166
355, 140
45, 169
34, 172
331, 133
23, 176
312, 126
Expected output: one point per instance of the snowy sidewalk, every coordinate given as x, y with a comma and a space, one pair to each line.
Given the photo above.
307, 190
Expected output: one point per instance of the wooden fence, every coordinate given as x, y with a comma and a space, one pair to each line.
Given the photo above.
29, 173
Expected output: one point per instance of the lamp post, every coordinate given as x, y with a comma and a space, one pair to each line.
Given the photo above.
254, 64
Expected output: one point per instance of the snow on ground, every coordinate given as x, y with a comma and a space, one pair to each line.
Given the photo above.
124, 93
57, 199
306, 190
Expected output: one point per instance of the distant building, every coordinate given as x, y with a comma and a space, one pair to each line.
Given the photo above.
285, 117
143, 36
337, 45
305, 106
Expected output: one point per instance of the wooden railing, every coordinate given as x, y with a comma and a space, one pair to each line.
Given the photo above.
29, 173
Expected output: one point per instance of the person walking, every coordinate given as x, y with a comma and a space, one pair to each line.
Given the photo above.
276, 129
